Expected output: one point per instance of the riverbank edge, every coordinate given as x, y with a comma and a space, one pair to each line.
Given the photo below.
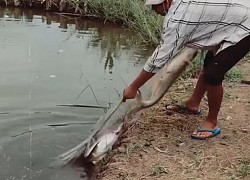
157, 143
133, 14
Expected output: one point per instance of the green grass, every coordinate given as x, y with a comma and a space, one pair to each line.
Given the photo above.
193, 70
130, 13
233, 75
248, 55
157, 169
244, 170
147, 25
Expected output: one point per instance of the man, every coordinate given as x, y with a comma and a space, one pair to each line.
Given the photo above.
220, 26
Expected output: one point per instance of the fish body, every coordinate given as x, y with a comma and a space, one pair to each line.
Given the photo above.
166, 77
102, 144
93, 149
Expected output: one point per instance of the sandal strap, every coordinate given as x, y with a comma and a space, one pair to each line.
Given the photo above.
208, 130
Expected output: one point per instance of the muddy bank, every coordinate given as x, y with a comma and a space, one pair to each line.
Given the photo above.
158, 144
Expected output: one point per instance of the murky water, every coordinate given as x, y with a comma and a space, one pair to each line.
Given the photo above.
47, 60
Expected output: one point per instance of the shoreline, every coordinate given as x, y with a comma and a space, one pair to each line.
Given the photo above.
127, 13
158, 144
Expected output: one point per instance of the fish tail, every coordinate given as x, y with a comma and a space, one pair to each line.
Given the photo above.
72, 155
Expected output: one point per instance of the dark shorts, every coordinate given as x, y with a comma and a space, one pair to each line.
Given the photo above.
216, 66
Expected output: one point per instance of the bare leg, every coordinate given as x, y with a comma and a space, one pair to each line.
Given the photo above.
215, 95
194, 101
215, 67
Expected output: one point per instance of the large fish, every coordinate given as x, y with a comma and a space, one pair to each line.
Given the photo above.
91, 151
109, 128
167, 76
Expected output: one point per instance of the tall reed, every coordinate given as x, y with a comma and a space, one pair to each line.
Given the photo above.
130, 13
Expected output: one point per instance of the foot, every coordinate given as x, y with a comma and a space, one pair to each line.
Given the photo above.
207, 130
184, 108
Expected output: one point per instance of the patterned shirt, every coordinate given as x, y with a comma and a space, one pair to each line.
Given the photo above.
201, 24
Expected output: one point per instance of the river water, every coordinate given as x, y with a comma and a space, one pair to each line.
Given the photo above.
48, 60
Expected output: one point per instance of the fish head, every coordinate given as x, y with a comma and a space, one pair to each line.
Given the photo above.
101, 142
104, 143
117, 129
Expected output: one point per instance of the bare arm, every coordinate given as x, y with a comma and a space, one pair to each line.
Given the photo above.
140, 80
167, 49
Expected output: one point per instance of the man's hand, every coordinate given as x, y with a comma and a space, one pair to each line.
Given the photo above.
131, 90
129, 93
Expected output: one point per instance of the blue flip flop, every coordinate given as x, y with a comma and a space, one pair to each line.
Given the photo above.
214, 132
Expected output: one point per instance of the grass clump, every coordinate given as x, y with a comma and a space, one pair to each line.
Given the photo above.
157, 169
244, 170
192, 71
248, 55
234, 75
135, 15
131, 13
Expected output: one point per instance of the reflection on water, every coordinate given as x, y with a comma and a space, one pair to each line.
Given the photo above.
49, 60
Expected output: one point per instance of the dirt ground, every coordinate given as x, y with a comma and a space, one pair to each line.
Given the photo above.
158, 146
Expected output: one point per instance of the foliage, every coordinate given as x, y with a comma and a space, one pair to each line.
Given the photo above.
193, 69
233, 75
130, 13
244, 170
